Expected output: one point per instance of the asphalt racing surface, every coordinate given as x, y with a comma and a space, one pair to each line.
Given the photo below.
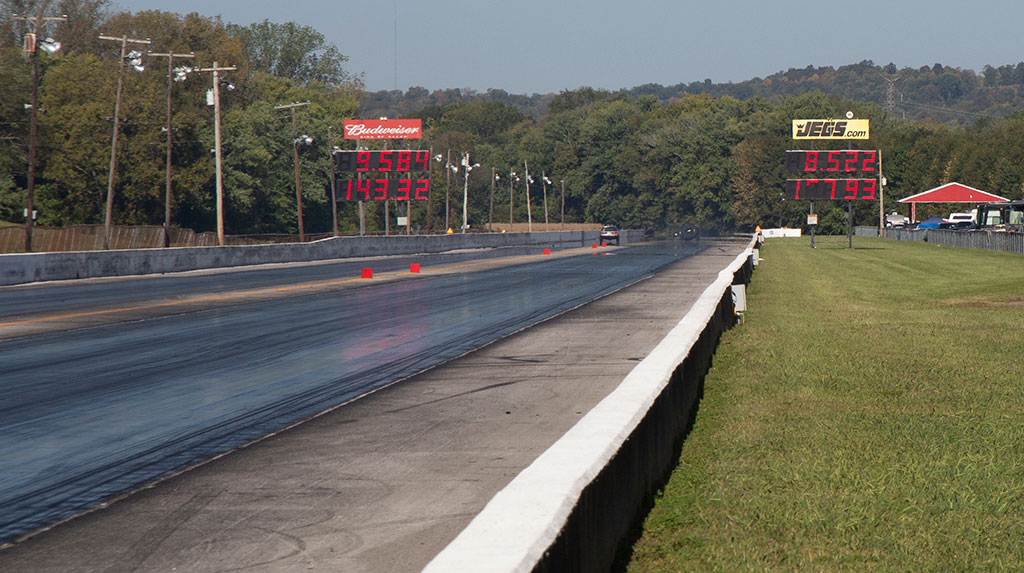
103, 398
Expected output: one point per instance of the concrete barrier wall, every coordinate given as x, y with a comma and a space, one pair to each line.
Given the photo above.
575, 505
31, 267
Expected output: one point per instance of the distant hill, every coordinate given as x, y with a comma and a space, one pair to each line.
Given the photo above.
937, 93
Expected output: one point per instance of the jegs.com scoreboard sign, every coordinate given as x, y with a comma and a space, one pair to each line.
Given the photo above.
831, 129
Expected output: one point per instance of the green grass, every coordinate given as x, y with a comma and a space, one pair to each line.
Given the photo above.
869, 414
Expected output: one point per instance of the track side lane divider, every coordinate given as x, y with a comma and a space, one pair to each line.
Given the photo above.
572, 507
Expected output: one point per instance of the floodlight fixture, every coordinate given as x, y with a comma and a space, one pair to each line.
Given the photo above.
50, 46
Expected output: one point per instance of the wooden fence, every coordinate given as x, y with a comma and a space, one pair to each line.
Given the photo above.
988, 240
90, 238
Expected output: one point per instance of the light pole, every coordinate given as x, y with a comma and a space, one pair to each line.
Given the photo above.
296, 140
544, 184
49, 46
213, 98
490, 212
512, 178
529, 215
173, 75
465, 190
135, 59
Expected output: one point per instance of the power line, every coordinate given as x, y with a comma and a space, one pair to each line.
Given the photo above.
951, 110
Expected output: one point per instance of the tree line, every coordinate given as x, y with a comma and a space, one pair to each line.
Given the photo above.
631, 157
276, 64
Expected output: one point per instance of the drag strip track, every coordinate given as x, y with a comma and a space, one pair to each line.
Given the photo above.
92, 413
68, 296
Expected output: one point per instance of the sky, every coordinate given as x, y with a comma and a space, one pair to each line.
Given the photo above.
547, 46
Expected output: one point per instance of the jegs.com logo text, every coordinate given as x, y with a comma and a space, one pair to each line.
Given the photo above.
830, 129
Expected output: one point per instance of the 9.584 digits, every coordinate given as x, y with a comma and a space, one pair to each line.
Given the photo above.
381, 161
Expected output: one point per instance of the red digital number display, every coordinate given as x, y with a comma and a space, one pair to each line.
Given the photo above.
831, 189
397, 161
835, 161
383, 189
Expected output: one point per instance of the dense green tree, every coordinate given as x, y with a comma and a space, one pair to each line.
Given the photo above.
15, 82
292, 51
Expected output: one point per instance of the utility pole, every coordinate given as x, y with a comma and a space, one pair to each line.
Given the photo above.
170, 83
125, 40
31, 43
295, 151
334, 190
218, 160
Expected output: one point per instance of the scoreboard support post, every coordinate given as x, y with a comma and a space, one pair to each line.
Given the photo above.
849, 212
881, 191
849, 224
812, 217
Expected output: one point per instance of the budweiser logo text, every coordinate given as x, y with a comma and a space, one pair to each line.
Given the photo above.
383, 129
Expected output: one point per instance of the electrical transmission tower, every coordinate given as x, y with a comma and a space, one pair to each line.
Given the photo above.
890, 94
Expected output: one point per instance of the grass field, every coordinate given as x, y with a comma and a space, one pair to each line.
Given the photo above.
869, 414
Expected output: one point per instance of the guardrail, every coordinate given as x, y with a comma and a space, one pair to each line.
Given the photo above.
981, 239
18, 268
571, 508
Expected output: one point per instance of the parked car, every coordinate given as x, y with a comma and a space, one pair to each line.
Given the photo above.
959, 217
894, 219
932, 222
610, 233
957, 225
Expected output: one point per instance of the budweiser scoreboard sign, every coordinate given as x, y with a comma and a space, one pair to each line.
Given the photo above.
831, 129
383, 129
